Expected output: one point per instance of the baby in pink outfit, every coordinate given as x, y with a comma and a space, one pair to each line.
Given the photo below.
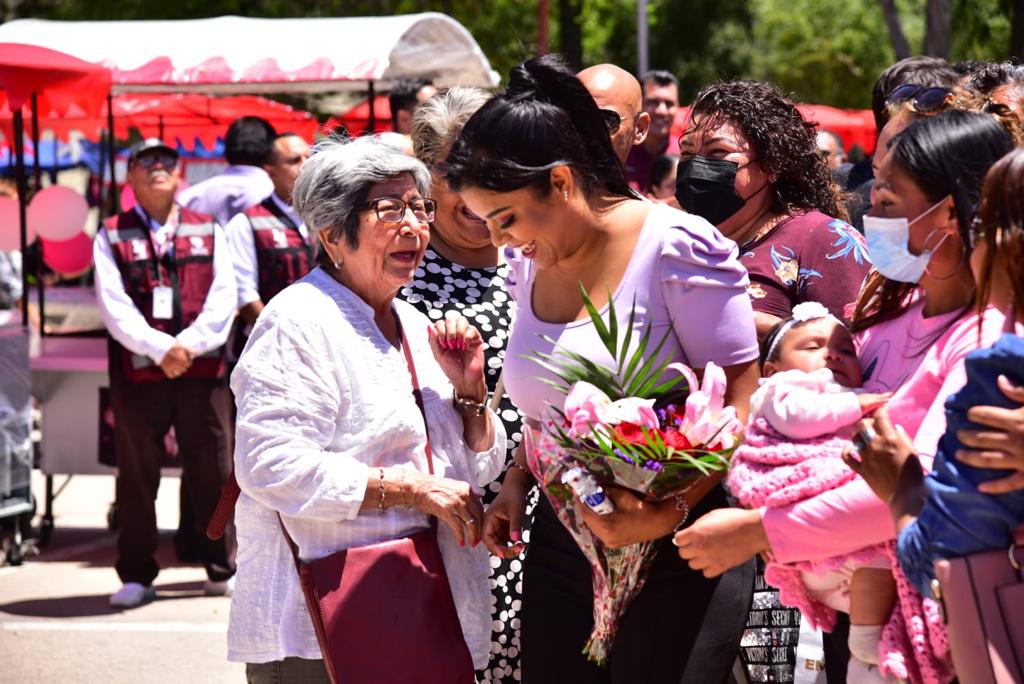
801, 420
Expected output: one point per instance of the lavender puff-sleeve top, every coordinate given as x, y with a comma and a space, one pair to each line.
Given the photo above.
683, 274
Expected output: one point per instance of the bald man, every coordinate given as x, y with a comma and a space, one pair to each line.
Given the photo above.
619, 97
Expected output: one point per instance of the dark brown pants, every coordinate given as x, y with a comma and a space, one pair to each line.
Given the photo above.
287, 671
200, 412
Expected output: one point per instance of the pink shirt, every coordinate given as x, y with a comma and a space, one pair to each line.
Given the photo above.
851, 517
802, 405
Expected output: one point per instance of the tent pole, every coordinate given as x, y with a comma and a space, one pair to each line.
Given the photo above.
19, 166
37, 176
100, 176
56, 160
160, 123
372, 91
37, 183
112, 195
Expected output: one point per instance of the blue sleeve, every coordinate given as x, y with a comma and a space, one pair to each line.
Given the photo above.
956, 519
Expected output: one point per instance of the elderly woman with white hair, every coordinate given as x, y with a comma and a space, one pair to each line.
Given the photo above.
346, 398
463, 273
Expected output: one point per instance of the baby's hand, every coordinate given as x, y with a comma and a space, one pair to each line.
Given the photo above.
869, 401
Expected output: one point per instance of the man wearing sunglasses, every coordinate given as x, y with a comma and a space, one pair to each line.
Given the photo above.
166, 291
618, 96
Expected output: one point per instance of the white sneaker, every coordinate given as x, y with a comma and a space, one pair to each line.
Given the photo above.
223, 588
132, 595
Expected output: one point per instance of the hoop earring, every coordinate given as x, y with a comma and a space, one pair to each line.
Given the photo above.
963, 259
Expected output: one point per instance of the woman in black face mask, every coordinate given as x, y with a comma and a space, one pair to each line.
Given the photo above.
749, 165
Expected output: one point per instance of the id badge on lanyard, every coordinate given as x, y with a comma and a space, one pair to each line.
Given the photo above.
163, 302
163, 295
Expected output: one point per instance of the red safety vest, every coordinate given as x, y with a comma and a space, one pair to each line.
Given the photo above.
283, 255
187, 269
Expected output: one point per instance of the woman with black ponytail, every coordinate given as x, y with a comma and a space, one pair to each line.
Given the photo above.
536, 162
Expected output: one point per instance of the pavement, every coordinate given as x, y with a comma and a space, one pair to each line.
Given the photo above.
57, 626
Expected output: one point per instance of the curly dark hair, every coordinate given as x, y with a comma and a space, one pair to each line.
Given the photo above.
783, 142
993, 75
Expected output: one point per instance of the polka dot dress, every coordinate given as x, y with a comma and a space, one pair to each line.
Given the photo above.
441, 289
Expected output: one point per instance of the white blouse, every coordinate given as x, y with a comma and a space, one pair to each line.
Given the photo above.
322, 399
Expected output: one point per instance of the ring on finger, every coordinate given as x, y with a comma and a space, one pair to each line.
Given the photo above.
864, 437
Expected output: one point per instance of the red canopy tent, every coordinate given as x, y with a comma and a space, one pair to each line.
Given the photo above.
31, 73
360, 118
183, 116
854, 126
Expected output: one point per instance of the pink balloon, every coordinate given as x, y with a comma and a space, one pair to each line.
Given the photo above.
10, 229
57, 213
68, 257
127, 198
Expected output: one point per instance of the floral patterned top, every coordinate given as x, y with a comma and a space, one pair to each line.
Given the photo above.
807, 257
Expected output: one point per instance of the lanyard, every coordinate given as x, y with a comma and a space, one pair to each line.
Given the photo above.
166, 257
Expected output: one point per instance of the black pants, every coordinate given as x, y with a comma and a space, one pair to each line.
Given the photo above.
200, 412
680, 628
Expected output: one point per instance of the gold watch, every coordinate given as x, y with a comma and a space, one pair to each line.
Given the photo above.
468, 407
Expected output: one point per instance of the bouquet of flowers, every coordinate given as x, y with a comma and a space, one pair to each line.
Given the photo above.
646, 425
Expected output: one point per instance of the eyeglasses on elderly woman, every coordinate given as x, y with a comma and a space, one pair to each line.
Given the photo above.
392, 209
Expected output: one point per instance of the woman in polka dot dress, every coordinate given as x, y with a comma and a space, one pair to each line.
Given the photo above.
461, 273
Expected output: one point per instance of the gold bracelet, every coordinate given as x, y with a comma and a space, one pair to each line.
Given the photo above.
520, 466
381, 480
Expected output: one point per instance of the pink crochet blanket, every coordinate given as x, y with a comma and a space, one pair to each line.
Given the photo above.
772, 470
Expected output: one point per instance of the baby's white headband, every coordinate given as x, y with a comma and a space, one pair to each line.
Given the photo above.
802, 312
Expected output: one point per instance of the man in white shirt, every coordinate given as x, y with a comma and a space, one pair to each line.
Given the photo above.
247, 147
269, 242
166, 291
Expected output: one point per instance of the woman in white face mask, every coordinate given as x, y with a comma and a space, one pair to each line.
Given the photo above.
926, 193
913, 337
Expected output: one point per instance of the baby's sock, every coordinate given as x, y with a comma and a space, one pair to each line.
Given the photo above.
863, 642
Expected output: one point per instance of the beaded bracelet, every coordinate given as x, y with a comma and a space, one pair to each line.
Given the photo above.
683, 507
381, 481
519, 466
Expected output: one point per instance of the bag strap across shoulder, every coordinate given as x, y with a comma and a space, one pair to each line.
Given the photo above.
418, 396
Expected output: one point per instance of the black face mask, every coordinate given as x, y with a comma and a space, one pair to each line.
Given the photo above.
706, 187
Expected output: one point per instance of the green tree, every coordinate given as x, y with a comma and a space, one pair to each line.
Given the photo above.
828, 51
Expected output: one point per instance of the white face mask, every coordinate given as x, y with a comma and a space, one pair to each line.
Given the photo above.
888, 249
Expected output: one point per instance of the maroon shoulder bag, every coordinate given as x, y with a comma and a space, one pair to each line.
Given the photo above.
383, 612
982, 597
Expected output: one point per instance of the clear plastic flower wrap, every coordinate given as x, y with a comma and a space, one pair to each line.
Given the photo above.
646, 425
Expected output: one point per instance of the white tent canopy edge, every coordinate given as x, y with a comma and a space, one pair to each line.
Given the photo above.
244, 54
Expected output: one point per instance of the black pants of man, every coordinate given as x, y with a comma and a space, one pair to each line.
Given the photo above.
200, 412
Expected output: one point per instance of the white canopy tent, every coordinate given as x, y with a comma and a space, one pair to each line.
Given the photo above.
241, 54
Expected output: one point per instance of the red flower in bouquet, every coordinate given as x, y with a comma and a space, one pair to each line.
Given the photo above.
676, 440
631, 433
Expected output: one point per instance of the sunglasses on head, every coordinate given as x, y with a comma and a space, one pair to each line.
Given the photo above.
612, 120
922, 99
148, 161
